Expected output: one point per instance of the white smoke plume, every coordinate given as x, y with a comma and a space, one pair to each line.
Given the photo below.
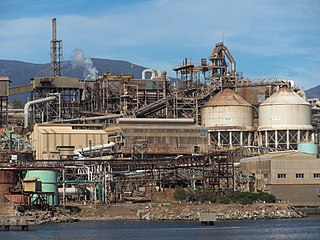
79, 60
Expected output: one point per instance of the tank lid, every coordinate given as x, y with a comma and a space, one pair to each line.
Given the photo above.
227, 98
285, 96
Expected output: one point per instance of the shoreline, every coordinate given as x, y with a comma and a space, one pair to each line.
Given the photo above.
164, 212
180, 211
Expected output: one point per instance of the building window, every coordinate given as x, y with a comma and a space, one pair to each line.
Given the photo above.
316, 175
265, 175
282, 175
299, 175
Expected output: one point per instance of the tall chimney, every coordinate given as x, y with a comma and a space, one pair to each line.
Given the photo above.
54, 29
56, 51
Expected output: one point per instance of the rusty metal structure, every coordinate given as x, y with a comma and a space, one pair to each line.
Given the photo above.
4, 96
143, 178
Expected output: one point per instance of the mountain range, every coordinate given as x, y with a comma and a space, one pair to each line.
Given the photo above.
20, 73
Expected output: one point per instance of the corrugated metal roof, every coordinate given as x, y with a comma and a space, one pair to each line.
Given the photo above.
227, 98
285, 96
279, 155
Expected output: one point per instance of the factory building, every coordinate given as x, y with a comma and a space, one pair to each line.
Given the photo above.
148, 137
59, 141
291, 176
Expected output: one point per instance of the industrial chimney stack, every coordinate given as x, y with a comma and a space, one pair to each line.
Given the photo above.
56, 51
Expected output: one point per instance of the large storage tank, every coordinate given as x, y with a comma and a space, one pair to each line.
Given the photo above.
229, 119
227, 109
48, 180
8, 179
285, 109
284, 120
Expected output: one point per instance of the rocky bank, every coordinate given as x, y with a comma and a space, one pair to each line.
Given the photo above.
224, 212
163, 211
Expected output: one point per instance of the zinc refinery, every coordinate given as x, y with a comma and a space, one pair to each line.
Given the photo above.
116, 138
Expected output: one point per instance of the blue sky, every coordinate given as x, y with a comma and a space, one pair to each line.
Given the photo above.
268, 38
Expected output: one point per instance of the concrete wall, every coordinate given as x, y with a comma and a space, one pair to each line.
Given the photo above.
298, 194
296, 164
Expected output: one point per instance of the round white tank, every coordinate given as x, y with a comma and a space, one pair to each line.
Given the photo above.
285, 109
227, 110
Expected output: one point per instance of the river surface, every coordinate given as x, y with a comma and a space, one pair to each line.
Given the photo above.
306, 228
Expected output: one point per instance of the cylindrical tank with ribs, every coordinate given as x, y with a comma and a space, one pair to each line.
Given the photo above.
284, 120
228, 118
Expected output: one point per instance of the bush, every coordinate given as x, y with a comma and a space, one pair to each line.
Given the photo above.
207, 195
180, 194
224, 200
246, 198
266, 197
202, 195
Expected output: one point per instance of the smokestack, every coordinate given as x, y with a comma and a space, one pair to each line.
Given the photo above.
54, 29
56, 51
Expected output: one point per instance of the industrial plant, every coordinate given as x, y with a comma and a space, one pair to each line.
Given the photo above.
114, 138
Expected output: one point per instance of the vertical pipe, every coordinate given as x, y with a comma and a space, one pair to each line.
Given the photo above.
64, 188
164, 84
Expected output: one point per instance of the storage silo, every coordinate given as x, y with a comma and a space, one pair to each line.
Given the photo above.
228, 118
284, 120
48, 180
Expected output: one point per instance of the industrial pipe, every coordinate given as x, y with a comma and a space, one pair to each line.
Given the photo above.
97, 147
220, 47
153, 73
168, 121
30, 103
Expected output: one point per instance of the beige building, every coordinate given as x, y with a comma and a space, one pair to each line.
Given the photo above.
291, 176
53, 141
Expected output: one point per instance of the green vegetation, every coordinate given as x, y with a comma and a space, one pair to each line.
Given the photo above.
247, 198
203, 195
180, 194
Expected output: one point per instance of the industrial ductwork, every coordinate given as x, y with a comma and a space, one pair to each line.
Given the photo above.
30, 103
216, 54
79, 152
153, 73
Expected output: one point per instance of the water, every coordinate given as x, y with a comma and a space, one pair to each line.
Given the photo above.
307, 228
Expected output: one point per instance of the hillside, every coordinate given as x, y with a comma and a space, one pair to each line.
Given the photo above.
313, 92
20, 73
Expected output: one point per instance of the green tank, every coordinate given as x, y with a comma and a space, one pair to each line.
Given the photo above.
48, 180
308, 147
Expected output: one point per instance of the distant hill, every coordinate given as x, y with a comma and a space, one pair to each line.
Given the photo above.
20, 73
313, 92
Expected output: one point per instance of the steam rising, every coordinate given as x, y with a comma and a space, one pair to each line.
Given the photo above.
79, 60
